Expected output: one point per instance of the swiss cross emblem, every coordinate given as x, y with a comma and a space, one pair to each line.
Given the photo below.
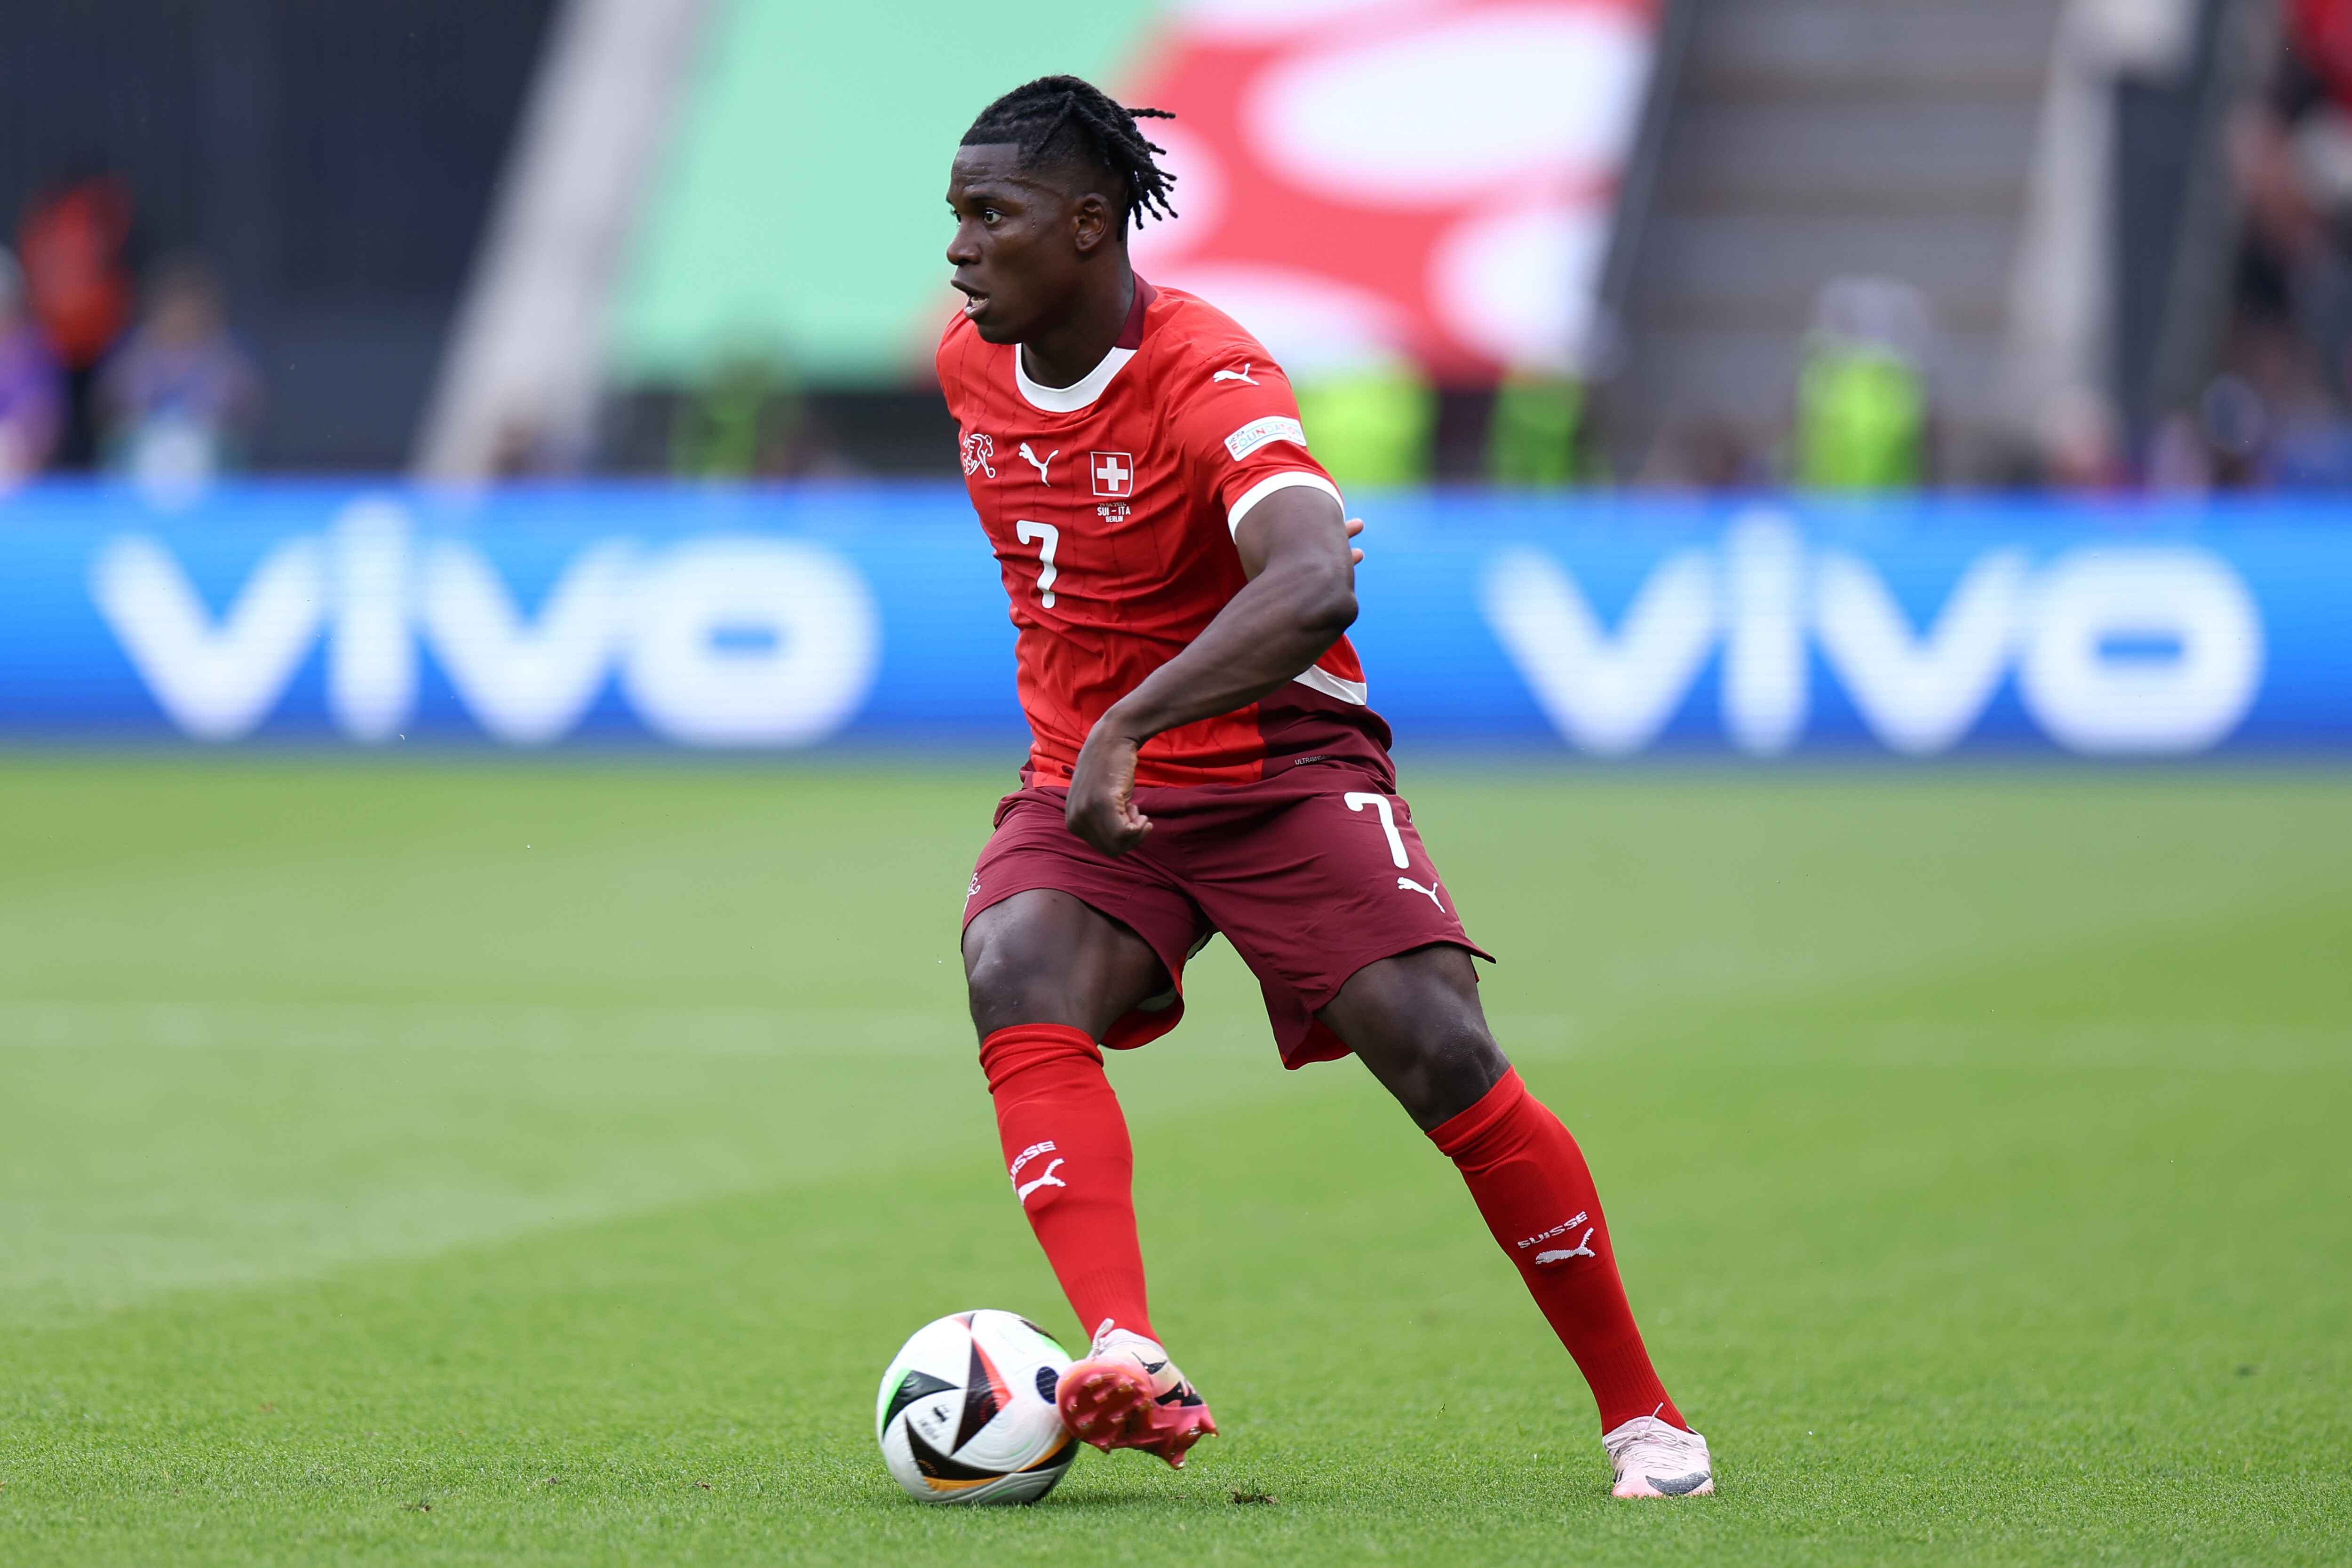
1114, 472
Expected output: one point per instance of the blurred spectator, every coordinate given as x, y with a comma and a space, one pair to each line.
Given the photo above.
2263, 370
739, 415
2276, 416
1863, 390
1539, 433
1372, 424
2291, 270
2180, 460
1711, 456
525, 451
78, 286
2083, 446
31, 396
179, 399
747, 420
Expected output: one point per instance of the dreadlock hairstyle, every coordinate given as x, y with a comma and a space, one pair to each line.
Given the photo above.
1058, 117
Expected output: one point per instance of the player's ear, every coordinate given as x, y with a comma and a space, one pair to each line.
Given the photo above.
1090, 223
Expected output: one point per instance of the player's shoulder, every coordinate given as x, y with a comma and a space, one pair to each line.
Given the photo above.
1192, 339
1219, 390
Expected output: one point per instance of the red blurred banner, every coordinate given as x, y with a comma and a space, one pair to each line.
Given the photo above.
1364, 180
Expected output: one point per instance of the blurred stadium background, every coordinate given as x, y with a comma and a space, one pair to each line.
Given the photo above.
2084, 245
1753, 376
406, 1148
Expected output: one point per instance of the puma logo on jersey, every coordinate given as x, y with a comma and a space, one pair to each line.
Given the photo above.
1430, 893
1038, 463
1051, 1179
1583, 1248
1241, 374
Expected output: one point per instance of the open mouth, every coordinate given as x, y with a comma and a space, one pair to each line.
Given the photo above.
974, 303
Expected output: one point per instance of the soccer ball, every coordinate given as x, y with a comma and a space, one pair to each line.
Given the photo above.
966, 1414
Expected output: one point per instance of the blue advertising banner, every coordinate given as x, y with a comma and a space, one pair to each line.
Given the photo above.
797, 617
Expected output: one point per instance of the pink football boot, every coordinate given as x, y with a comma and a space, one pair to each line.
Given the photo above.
1653, 1459
1127, 1393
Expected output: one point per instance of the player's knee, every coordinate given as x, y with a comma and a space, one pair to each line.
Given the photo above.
1005, 983
1439, 1070
1462, 1058
1015, 973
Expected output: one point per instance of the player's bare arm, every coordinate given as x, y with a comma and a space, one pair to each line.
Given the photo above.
1301, 597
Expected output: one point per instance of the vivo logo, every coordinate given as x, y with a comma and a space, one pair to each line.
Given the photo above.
2126, 649
717, 641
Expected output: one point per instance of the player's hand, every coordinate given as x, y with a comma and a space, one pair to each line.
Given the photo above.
1102, 791
1355, 527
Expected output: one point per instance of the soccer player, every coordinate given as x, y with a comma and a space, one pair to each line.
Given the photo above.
1203, 761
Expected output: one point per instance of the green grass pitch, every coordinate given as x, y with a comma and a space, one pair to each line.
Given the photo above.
450, 1162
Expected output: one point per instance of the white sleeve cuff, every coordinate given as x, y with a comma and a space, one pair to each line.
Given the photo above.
1265, 487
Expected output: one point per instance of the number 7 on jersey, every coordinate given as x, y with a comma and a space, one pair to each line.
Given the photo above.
1031, 534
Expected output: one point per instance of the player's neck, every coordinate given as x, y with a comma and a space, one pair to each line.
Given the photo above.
1066, 352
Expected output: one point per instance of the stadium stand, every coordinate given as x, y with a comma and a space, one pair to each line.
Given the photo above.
1810, 139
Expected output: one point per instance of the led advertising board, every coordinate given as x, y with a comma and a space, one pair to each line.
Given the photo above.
786, 618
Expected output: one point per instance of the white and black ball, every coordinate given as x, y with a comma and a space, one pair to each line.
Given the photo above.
966, 1413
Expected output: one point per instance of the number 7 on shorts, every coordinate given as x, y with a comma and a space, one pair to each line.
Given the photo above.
1358, 799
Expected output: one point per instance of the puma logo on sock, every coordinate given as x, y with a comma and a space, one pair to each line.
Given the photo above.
1051, 1179
1583, 1248
1023, 1188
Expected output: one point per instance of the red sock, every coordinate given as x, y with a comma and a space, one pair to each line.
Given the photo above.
1065, 1148
1530, 1180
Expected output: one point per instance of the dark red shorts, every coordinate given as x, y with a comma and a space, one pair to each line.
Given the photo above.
1310, 875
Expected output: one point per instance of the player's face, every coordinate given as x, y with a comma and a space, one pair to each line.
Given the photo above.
1020, 240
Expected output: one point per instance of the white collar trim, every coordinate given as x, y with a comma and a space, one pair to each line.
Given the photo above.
1078, 395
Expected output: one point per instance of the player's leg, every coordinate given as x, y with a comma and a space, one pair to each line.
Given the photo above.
1415, 1021
1048, 977
1047, 957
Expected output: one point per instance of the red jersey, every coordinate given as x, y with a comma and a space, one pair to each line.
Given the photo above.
1112, 505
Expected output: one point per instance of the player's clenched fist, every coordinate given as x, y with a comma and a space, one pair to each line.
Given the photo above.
1102, 791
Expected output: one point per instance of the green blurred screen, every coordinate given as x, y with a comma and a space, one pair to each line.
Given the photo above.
800, 212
